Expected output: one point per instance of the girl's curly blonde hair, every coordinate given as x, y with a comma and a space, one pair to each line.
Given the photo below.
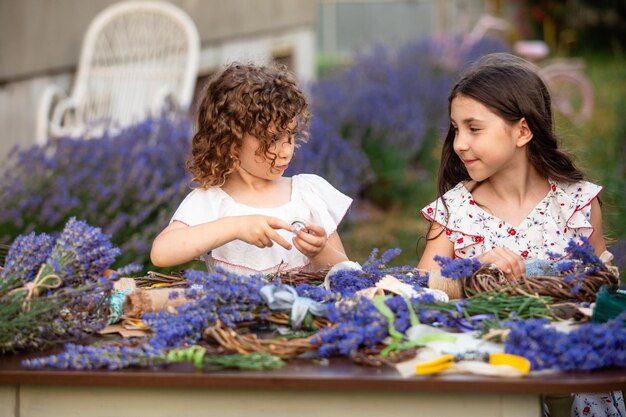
244, 99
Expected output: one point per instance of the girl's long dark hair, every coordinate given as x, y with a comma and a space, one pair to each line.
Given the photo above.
509, 87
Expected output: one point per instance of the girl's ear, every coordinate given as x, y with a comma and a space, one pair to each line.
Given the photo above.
524, 135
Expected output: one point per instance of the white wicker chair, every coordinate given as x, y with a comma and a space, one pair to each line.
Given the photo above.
137, 58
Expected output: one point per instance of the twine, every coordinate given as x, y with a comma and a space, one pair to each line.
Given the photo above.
41, 281
452, 287
141, 301
159, 280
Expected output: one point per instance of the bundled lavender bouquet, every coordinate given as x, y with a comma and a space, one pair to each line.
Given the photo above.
53, 290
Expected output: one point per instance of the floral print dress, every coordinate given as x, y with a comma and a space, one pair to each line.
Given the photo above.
562, 215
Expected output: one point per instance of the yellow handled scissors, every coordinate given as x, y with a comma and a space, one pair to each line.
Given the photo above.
446, 361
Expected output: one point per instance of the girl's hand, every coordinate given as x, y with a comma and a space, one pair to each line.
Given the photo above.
260, 231
508, 261
312, 241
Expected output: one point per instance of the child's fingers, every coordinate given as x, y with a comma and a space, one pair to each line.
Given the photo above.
510, 263
276, 223
316, 230
279, 239
307, 248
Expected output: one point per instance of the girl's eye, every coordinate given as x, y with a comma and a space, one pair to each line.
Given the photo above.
474, 129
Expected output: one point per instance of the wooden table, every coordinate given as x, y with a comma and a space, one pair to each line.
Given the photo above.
302, 388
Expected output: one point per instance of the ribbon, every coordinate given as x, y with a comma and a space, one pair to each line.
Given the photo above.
193, 354
116, 305
283, 297
397, 343
45, 279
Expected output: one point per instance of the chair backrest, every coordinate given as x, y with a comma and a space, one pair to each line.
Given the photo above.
135, 55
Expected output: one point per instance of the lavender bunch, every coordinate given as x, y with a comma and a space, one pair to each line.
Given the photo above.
222, 296
81, 253
584, 253
589, 347
578, 262
64, 300
358, 323
112, 357
319, 294
88, 357
25, 257
457, 268
347, 282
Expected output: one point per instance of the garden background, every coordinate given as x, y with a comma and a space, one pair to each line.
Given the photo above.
375, 134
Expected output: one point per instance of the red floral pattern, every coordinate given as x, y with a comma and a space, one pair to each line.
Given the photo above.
563, 214
608, 404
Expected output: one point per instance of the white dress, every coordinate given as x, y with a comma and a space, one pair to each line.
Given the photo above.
562, 215
313, 200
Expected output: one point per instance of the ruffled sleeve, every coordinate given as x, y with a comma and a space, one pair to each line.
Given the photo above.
574, 204
460, 218
200, 206
328, 205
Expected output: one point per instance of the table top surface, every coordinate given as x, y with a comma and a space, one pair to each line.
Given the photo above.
337, 373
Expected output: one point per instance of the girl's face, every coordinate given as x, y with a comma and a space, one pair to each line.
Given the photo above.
485, 143
255, 162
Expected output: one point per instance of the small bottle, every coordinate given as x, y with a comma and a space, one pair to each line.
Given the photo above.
298, 224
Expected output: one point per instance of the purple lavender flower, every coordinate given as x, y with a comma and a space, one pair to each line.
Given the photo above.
316, 293
128, 183
383, 106
347, 282
359, 323
126, 271
221, 295
581, 261
457, 268
81, 253
588, 347
88, 357
25, 257
584, 253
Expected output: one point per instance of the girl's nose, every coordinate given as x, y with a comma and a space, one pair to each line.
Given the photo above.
460, 143
285, 149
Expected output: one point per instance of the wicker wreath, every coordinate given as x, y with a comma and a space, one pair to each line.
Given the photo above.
249, 342
490, 278
302, 277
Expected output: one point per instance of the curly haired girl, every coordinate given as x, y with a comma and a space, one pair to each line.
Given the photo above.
244, 215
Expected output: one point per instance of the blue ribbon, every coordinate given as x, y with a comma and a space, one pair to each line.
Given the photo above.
284, 297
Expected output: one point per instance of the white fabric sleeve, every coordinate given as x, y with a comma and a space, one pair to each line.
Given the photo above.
200, 206
327, 204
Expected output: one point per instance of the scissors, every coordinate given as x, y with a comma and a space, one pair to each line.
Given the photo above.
447, 361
